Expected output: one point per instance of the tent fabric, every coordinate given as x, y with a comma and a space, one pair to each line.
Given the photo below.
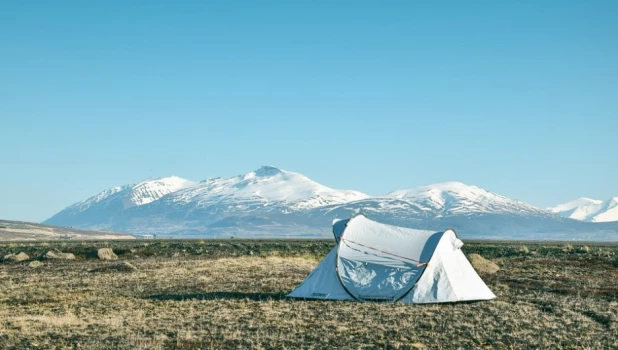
323, 282
338, 228
377, 261
374, 261
449, 277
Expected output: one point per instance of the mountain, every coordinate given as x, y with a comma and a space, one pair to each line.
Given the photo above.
275, 202
590, 210
94, 211
472, 212
451, 198
267, 188
175, 204
433, 202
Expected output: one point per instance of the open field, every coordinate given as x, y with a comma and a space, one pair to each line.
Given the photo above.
29, 231
213, 294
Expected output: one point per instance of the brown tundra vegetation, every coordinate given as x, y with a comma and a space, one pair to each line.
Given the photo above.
230, 294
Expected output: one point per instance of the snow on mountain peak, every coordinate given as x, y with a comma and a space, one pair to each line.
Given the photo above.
579, 202
608, 211
586, 209
150, 190
136, 194
266, 186
457, 198
434, 189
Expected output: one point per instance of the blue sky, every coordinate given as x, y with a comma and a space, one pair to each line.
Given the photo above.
520, 98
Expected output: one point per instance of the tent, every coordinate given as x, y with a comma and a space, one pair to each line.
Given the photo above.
374, 261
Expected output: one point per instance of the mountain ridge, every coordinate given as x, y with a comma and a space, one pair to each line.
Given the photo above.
272, 201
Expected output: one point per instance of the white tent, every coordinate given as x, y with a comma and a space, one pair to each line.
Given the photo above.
374, 261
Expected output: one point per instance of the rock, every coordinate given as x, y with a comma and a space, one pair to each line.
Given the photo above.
122, 266
58, 255
35, 264
17, 257
106, 254
483, 265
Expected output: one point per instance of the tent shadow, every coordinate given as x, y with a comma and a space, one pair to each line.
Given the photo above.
276, 296
217, 296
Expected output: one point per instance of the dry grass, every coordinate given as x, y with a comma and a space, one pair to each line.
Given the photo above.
482, 265
549, 297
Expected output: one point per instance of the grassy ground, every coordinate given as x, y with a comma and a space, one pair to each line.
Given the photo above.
217, 294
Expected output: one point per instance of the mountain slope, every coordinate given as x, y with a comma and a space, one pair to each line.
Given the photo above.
608, 211
589, 210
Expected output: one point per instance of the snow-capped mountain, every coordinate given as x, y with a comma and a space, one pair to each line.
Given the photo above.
451, 198
471, 211
267, 188
98, 207
435, 201
590, 210
275, 202
137, 194
169, 203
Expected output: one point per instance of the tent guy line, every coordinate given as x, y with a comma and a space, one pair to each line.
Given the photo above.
420, 263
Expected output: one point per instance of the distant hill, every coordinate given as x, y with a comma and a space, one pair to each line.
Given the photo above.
28, 231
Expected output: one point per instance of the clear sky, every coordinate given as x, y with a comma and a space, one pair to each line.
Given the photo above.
517, 97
